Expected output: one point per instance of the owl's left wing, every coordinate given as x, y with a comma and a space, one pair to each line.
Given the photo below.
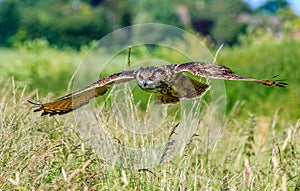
214, 71
81, 97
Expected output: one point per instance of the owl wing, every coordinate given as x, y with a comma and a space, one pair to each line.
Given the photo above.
81, 97
207, 70
181, 86
166, 98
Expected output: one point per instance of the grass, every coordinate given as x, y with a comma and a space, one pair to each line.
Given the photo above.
259, 149
38, 68
265, 60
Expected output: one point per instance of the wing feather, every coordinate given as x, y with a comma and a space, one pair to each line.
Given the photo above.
207, 70
166, 98
81, 97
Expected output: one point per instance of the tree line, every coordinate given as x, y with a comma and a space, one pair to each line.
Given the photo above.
74, 23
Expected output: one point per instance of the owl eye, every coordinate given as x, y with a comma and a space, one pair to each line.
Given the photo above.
141, 78
152, 78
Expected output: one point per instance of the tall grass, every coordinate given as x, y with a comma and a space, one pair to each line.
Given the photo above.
259, 149
47, 153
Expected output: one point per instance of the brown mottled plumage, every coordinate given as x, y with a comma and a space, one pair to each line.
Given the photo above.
168, 83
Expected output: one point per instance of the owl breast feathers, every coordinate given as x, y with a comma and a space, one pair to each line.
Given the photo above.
168, 83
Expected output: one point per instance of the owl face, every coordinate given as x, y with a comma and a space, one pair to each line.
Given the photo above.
151, 79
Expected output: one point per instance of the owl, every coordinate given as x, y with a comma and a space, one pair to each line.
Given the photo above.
169, 84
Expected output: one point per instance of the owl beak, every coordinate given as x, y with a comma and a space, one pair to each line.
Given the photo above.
145, 83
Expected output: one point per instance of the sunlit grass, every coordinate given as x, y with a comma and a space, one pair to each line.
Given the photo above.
258, 149
48, 153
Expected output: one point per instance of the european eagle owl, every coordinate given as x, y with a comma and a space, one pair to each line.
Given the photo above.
168, 83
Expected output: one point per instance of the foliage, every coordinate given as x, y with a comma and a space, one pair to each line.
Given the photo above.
33, 65
224, 16
272, 6
80, 25
77, 23
291, 23
150, 12
9, 21
265, 57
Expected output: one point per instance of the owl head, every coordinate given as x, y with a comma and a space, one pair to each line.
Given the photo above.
152, 78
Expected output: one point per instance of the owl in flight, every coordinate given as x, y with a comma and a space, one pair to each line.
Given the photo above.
168, 83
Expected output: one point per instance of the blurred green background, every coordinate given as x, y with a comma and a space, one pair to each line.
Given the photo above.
75, 23
42, 42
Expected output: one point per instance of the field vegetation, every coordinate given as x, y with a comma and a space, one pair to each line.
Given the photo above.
259, 148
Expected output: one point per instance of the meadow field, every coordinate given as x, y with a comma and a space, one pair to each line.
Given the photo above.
259, 148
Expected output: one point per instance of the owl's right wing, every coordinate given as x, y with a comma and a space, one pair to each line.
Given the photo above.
81, 97
207, 70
